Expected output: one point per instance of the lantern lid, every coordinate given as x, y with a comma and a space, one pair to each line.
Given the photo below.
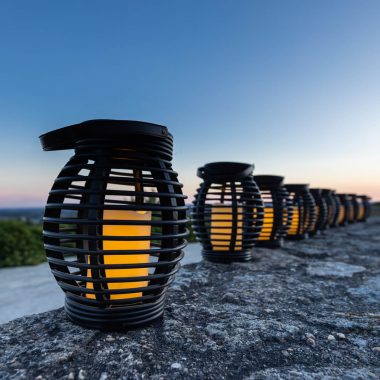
67, 137
297, 186
225, 171
326, 191
352, 195
315, 190
268, 180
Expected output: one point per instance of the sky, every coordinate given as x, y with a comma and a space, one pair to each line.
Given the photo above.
292, 86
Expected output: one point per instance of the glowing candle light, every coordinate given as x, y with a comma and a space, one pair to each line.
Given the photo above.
277, 210
293, 230
345, 209
130, 245
268, 222
364, 207
222, 220
353, 213
360, 212
304, 212
337, 204
342, 214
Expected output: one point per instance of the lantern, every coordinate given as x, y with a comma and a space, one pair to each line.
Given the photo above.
364, 209
227, 212
321, 212
115, 222
304, 215
327, 195
278, 210
353, 215
345, 209
337, 206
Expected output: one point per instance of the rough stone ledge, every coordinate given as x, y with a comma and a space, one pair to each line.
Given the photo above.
307, 311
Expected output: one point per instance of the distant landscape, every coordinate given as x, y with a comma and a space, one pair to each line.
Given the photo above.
31, 215
35, 215
21, 236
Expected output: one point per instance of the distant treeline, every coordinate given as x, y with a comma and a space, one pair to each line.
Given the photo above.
21, 237
20, 243
32, 215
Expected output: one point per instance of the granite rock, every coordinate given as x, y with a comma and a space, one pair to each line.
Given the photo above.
333, 269
272, 318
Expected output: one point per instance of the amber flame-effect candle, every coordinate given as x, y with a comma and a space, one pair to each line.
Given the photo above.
221, 228
134, 245
361, 211
341, 214
293, 230
267, 228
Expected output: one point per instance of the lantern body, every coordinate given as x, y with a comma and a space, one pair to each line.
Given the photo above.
115, 222
304, 215
337, 206
227, 212
361, 209
364, 208
321, 212
327, 195
345, 209
278, 210
353, 215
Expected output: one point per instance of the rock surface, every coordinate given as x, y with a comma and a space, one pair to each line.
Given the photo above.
307, 311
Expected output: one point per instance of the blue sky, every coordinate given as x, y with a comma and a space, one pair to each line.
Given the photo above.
292, 86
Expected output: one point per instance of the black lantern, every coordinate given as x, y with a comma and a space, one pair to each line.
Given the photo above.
353, 215
345, 209
115, 221
337, 206
321, 212
304, 215
328, 196
278, 210
227, 211
364, 209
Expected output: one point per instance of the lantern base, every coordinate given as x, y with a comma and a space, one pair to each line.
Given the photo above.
298, 237
115, 317
314, 233
270, 243
227, 256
